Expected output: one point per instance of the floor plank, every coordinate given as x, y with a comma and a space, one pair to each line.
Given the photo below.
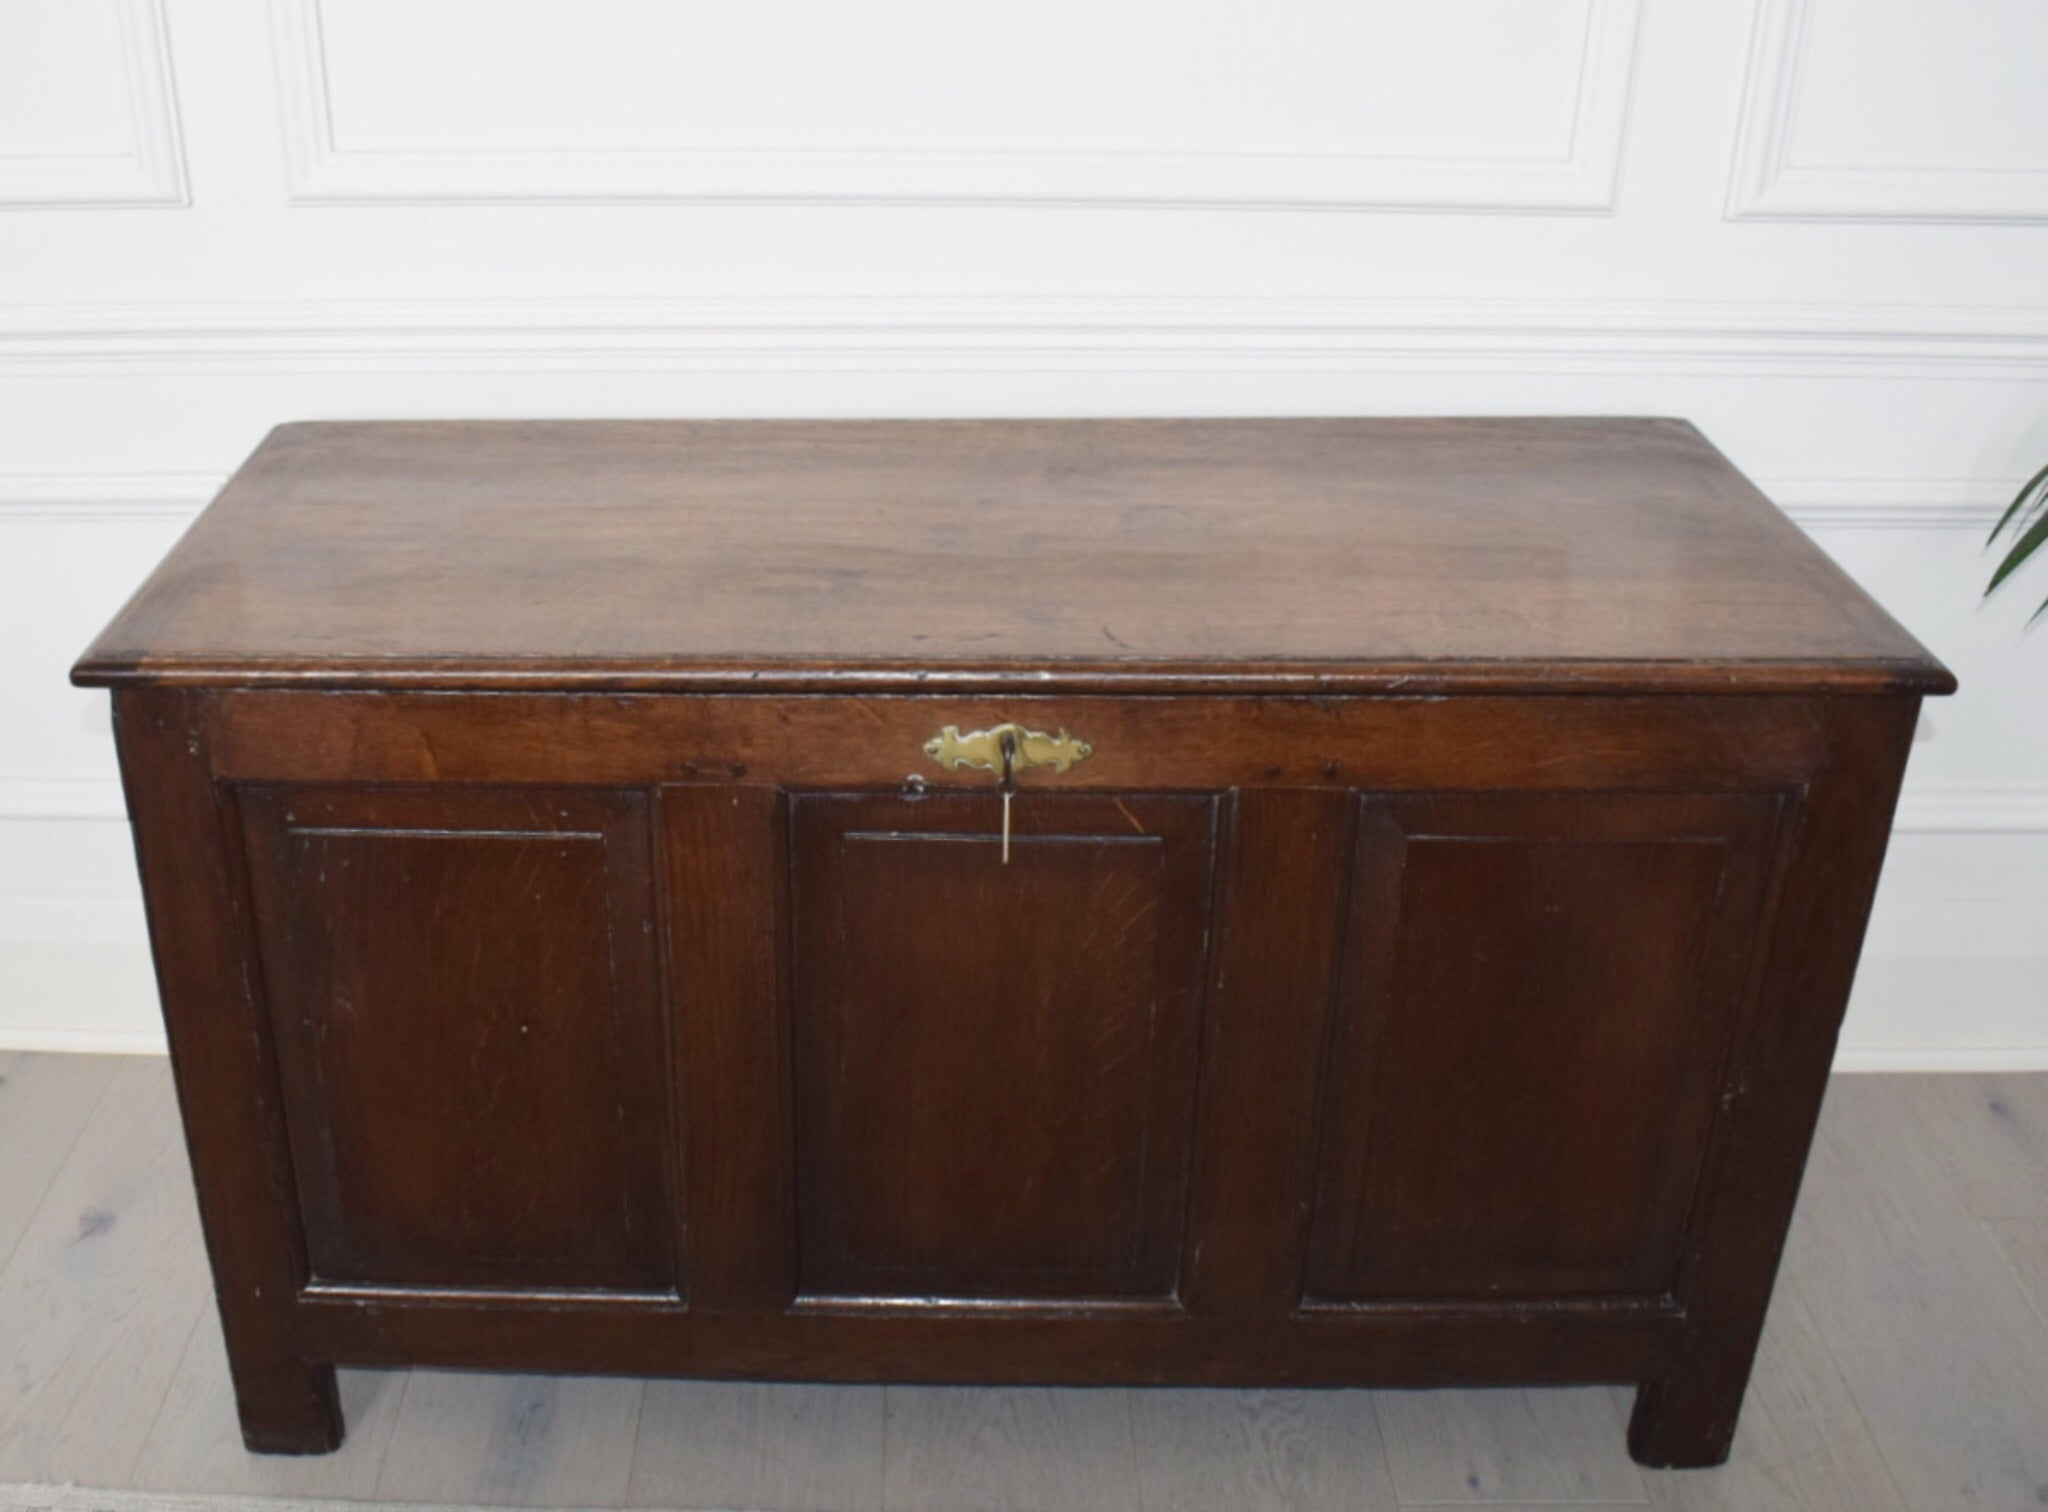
1906, 1365
102, 1293
45, 1101
1509, 1446
512, 1440
196, 1445
764, 1448
1259, 1451
1007, 1449
1802, 1446
1989, 1136
1935, 1339
2025, 1243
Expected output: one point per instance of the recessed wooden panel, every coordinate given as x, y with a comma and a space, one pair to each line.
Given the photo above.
462, 984
1538, 996
996, 1063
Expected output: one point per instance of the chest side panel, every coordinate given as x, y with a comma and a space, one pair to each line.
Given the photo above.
1537, 994
462, 990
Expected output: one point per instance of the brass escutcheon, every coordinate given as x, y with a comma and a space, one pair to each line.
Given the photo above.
984, 749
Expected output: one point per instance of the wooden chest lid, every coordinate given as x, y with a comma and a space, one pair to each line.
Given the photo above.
1060, 555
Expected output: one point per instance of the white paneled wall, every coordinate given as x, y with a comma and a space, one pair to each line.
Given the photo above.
1818, 228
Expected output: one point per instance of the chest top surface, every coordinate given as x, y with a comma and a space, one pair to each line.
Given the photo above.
1118, 555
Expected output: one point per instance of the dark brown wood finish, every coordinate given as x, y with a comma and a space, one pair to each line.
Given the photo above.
572, 960
462, 992
1121, 555
1536, 1011
229, 1095
1203, 744
1285, 868
1827, 875
726, 908
995, 1060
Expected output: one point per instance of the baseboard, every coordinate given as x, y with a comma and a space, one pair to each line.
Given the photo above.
62, 1041
1878, 1059
41, 1498
61, 989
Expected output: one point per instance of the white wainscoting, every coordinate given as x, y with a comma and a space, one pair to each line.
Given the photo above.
1474, 338
1915, 110
1817, 229
87, 112
1145, 102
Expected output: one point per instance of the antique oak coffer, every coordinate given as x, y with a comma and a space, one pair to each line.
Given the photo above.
1298, 902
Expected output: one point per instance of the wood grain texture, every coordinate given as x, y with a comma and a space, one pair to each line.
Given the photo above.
996, 1060
224, 1065
1803, 1446
512, 1441
1507, 1446
993, 1449
45, 1102
1922, 1310
721, 1445
725, 882
1259, 1451
2025, 1242
1279, 919
1409, 743
463, 991
1493, 1126
1825, 873
1989, 1135
1169, 553
102, 1293
1879, 1174
1115, 1342
195, 1445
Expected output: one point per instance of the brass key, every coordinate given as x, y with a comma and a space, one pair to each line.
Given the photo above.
1008, 787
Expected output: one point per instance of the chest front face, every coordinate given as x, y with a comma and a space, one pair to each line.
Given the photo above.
1273, 1005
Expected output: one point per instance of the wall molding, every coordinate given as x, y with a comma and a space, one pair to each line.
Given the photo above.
34, 1039
1583, 180
66, 498
1891, 503
1104, 333
1818, 503
1859, 503
152, 170
1765, 184
1854, 1058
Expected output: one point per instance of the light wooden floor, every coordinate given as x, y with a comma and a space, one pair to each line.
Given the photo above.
1906, 1365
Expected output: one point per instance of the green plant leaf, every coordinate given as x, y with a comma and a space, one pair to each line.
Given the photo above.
2033, 485
2029, 542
